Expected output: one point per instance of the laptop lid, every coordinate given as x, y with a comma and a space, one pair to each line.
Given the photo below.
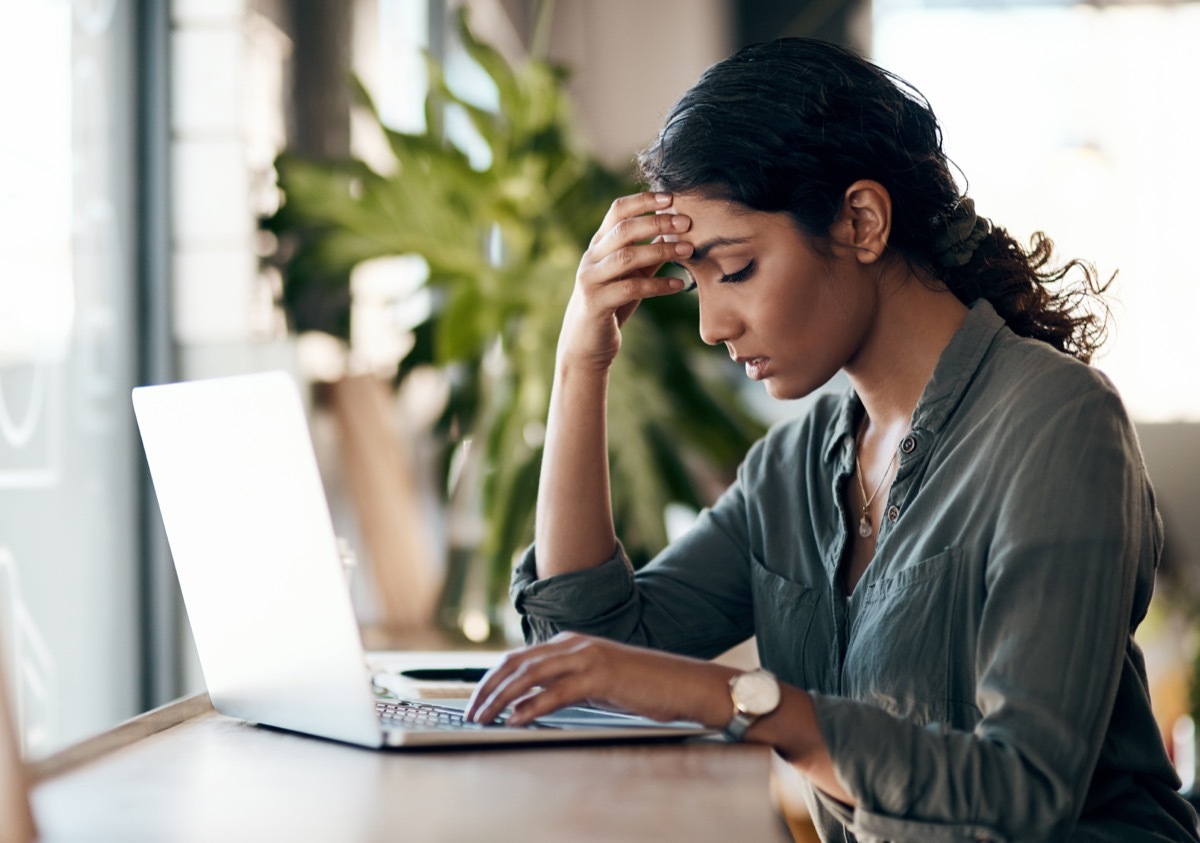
256, 554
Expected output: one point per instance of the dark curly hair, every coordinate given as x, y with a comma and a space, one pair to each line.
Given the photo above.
788, 125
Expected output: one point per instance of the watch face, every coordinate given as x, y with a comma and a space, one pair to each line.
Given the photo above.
756, 692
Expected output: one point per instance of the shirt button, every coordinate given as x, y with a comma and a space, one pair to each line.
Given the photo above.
908, 444
893, 514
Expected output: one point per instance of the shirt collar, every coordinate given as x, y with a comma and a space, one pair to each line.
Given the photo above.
955, 369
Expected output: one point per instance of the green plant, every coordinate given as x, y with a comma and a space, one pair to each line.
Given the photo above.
502, 243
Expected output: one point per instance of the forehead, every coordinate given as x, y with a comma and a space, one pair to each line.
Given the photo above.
704, 209
722, 224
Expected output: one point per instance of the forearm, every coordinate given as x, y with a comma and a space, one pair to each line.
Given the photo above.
791, 729
574, 527
793, 732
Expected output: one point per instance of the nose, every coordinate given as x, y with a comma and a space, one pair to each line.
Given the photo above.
718, 323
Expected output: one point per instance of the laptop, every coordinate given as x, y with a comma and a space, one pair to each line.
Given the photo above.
265, 592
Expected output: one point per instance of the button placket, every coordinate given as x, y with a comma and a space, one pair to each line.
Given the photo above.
908, 446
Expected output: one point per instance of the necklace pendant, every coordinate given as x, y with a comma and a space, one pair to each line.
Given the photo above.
864, 526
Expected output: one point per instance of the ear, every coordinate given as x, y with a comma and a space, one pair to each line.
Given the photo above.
864, 222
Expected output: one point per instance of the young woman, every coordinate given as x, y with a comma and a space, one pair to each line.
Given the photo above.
945, 566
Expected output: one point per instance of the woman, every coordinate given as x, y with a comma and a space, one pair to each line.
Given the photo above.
943, 567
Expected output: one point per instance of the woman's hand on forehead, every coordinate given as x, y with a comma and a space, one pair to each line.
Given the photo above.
618, 270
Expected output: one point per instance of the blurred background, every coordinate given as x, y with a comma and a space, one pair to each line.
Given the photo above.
151, 232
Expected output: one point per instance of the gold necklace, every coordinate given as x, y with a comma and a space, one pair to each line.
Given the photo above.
864, 522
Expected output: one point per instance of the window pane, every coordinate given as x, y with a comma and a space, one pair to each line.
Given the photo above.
68, 470
1070, 119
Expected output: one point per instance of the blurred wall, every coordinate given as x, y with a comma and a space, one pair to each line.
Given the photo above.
632, 60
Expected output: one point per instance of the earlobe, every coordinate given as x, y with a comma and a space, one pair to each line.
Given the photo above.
865, 220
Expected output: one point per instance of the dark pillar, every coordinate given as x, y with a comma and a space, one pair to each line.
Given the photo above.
845, 22
318, 107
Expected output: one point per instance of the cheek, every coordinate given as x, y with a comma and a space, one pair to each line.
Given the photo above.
829, 307
813, 341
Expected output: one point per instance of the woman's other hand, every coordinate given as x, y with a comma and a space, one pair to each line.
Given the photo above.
571, 669
638, 235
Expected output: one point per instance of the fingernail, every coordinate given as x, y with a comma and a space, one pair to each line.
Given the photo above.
676, 283
662, 198
680, 222
682, 248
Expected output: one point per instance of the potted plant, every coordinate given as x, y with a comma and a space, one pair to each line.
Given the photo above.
502, 242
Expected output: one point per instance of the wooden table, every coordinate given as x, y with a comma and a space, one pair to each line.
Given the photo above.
186, 773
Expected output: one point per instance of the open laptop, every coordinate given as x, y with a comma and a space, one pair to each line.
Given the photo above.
262, 580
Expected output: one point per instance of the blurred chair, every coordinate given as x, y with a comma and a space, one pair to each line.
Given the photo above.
382, 482
16, 818
787, 795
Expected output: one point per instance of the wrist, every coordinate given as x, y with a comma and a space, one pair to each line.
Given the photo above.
792, 729
754, 694
568, 363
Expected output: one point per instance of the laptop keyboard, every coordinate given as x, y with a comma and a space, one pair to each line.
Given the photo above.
406, 714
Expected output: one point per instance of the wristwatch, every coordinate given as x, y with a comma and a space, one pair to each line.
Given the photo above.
755, 694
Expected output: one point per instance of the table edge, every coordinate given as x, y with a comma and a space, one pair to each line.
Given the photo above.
118, 737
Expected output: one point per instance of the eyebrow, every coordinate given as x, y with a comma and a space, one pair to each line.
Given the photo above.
701, 251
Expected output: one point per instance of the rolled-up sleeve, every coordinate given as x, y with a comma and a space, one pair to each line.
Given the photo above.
591, 600
693, 598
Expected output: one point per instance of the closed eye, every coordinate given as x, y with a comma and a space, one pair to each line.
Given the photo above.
741, 275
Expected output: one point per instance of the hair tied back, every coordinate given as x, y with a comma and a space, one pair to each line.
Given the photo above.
960, 234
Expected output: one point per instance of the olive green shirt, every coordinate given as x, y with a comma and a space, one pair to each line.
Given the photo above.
981, 682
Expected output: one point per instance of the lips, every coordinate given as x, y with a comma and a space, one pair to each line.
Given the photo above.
756, 367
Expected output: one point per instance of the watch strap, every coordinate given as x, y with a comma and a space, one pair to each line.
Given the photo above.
736, 730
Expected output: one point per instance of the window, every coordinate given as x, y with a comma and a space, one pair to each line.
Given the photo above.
1071, 119
68, 467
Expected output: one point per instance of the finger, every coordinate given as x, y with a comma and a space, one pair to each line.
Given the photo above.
622, 297
570, 689
631, 206
661, 225
636, 251
632, 261
513, 688
512, 663
490, 683
533, 678
646, 288
564, 685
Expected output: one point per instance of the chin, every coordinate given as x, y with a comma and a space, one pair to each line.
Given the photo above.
791, 391
780, 392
